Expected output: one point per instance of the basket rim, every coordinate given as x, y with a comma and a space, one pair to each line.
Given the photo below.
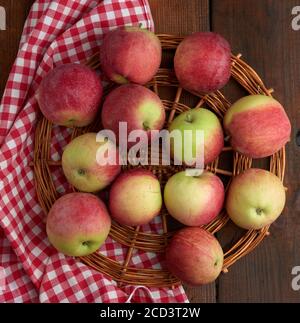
133, 238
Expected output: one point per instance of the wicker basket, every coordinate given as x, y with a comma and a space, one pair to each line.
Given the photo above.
132, 237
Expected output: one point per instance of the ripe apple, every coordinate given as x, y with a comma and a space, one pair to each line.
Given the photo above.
255, 199
82, 167
78, 224
194, 201
136, 105
194, 256
135, 197
258, 126
203, 62
70, 95
193, 120
130, 54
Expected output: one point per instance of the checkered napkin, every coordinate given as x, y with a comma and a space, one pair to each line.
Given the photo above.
31, 270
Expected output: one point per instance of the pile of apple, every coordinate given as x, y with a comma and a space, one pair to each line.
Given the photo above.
70, 95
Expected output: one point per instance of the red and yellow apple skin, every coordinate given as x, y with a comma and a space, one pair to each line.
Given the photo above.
197, 119
255, 199
202, 62
194, 256
80, 165
70, 95
135, 197
194, 201
136, 105
130, 54
257, 125
78, 224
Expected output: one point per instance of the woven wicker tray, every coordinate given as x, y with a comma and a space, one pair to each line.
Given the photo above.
131, 237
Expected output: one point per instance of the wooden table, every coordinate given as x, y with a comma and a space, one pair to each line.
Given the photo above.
261, 30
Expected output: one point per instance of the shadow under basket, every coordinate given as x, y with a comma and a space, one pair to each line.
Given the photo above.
164, 82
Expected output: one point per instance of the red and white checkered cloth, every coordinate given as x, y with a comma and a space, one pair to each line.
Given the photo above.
56, 32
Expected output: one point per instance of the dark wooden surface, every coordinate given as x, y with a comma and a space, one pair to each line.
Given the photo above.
16, 13
261, 30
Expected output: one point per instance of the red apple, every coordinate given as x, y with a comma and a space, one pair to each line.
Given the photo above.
203, 62
136, 105
194, 201
135, 197
130, 54
81, 164
70, 95
258, 126
255, 199
194, 256
78, 224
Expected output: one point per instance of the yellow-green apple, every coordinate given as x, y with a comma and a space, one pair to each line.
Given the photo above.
203, 62
187, 150
135, 197
194, 256
136, 105
82, 164
70, 95
194, 200
255, 199
78, 224
257, 125
130, 54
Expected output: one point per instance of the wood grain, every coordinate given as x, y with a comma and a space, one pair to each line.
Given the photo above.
180, 17
262, 31
16, 13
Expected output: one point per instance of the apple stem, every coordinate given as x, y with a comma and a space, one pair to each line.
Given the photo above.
146, 126
259, 211
189, 118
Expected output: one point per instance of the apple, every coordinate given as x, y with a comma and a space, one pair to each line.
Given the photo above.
130, 54
194, 201
202, 62
135, 197
194, 256
78, 224
255, 199
257, 125
70, 95
81, 164
186, 150
136, 105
